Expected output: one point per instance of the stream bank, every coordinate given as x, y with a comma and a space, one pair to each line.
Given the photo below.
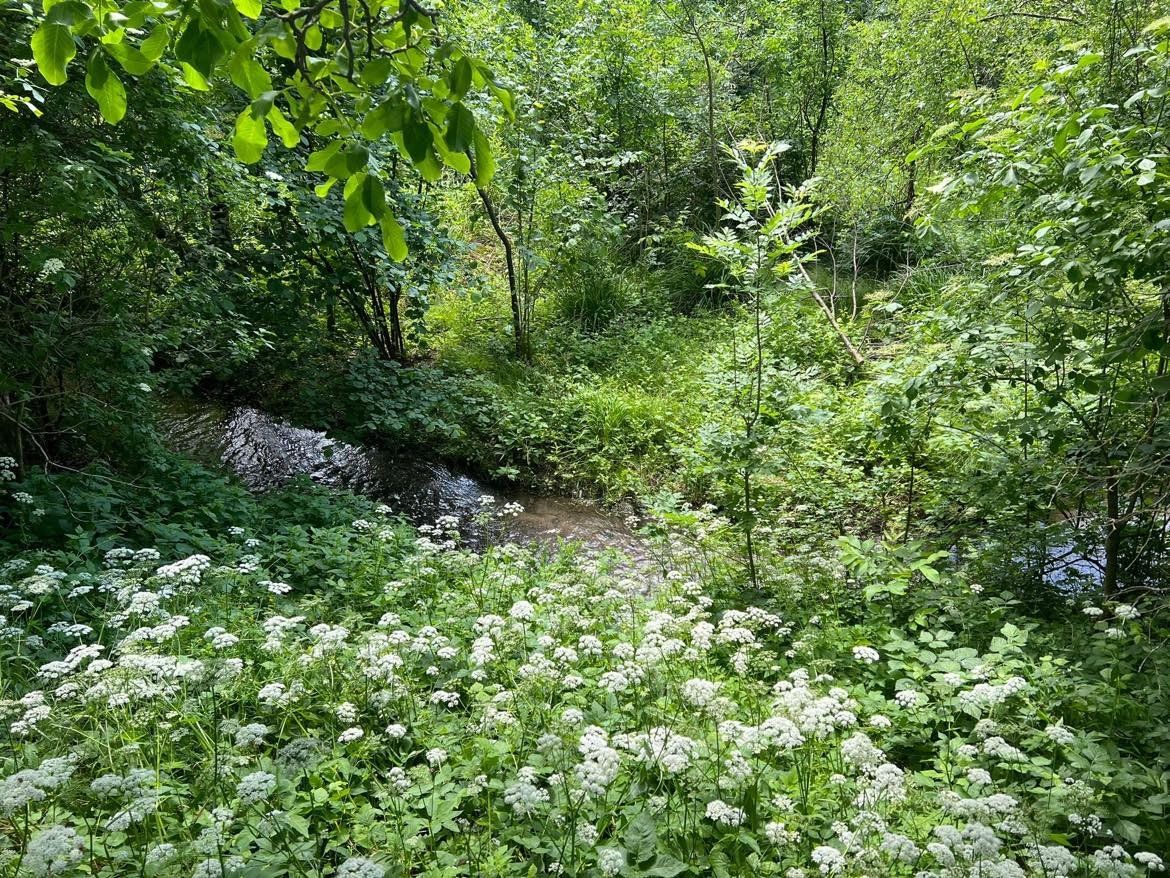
267, 453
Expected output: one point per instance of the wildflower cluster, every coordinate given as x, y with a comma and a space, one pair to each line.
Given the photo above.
503, 712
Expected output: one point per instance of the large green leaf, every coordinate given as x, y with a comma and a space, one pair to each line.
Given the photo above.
155, 44
356, 215
53, 48
250, 137
460, 127
641, 837
418, 138
373, 196
485, 162
133, 60
248, 8
393, 238
104, 87
390, 115
460, 78
247, 74
200, 48
283, 128
347, 162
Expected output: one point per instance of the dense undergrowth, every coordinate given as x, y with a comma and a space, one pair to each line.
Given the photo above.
355, 698
887, 375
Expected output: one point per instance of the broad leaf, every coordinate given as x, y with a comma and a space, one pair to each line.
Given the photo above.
53, 48
485, 162
283, 128
250, 137
104, 87
460, 128
248, 8
393, 238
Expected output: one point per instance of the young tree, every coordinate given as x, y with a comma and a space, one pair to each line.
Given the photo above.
760, 245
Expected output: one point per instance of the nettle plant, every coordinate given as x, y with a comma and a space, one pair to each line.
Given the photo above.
434, 711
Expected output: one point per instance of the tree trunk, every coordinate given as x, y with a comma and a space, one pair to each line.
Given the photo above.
1113, 534
397, 340
519, 329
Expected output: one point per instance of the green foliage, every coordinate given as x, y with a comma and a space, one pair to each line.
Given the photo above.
872, 458
516, 712
322, 71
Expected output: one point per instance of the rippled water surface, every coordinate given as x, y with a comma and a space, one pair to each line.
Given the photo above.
266, 453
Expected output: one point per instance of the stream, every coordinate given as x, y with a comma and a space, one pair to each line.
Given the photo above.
266, 453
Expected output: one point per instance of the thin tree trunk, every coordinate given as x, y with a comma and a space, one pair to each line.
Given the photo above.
1113, 535
518, 328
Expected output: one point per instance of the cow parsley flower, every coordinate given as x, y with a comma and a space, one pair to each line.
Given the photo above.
601, 762
778, 834
978, 776
220, 638
907, 698
34, 784
251, 735
611, 861
1151, 861
522, 611
255, 787
524, 795
720, 812
54, 851
354, 733
866, 654
829, 861
359, 867
860, 751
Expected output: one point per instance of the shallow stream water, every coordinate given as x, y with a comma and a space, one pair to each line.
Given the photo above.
266, 453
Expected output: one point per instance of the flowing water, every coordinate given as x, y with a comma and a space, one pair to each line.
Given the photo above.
267, 453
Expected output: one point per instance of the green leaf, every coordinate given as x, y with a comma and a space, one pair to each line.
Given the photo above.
390, 115
200, 48
356, 216
320, 158
458, 161
377, 71
344, 164
418, 138
666, 866
485, 162
193, 77
460, 128
283, 128
53, 48
250, 137
105, 88
373, 196
155, 44
460, 78
393, 238
132, 60
247, 74
248, 8
641, 837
